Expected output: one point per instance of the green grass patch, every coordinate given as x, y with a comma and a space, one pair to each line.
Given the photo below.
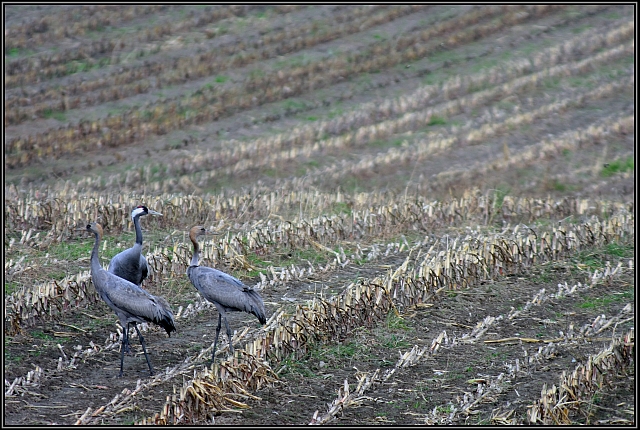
596, 259
581, 28
542, 278
220, 79
13, 52
551, 83
11, 287
256, 73
617, 166
312, 255
499, 195
396, 322
331, 353
437, 120
9, 357
394, 342
340, 208
612, 15
295, 61
620, 250
335, 112
293, 105
601, 302
55, 114
348, 350
39, 334
559, 186
72, 250
581, 82
446, 409
261, 266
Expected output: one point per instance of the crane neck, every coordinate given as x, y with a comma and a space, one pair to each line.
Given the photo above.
196, 252
136, 224
95, 261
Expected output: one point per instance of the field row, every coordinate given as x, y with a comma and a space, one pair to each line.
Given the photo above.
211, 105
265, 151
545, 411
372, 123
362, 304
52, 298
159, 74
56, 25
110, 50
246, 367
202, 169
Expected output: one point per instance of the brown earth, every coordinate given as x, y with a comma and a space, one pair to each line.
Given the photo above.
441, 387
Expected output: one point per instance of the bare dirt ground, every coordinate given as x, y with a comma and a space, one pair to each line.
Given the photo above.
309, 383
504, 339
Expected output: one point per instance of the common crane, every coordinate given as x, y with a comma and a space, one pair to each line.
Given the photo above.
131, 303
130, 264
227, 293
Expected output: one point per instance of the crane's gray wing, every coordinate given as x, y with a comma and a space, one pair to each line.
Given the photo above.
134, 301
144, 268
126, 265
228, 291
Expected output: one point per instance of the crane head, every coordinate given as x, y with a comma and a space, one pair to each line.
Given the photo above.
95, 228
199, 230
143, 210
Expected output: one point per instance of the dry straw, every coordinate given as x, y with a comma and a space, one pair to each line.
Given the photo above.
124, 128
363, 304
53, 298
557, 403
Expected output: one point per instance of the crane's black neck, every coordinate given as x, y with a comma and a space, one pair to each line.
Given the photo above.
136, 223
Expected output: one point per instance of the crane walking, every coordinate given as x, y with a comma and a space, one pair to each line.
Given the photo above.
227, 293
130, 264
131, 303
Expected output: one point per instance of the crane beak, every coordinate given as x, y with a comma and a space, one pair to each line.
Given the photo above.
213, 232
154, 212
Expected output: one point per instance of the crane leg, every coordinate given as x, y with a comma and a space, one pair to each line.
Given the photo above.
228, 335
215, 343
125, 342
144, 348
126, 346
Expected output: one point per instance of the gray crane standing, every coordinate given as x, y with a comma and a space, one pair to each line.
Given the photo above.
227, 293
131, 303
130, 264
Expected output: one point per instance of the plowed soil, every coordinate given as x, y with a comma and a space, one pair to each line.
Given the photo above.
500, 345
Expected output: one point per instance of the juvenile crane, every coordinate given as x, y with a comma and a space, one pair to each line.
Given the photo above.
131, 303
227, 293
130, 264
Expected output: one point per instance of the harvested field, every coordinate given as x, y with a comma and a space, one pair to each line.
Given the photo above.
435, 202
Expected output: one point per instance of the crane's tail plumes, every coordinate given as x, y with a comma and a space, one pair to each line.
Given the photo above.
256, 306
164, 318
166, 322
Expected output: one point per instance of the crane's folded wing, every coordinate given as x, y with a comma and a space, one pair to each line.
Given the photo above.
136, 301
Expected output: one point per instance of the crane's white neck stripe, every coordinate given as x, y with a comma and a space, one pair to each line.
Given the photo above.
137, 211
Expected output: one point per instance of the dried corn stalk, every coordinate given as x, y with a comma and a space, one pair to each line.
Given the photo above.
556, 404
